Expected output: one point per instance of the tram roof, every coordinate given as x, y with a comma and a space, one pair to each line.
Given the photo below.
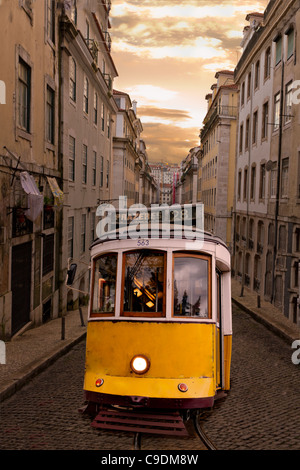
123, 234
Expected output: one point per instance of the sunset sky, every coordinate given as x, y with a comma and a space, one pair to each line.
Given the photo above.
167, 53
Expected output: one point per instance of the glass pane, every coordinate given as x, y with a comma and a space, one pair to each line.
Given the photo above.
191, 287
144, 282
105, 284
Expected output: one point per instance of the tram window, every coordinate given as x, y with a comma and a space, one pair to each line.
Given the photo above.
191, 286
104, 288
144, 283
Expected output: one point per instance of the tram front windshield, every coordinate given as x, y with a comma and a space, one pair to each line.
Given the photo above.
144, 282
190, 286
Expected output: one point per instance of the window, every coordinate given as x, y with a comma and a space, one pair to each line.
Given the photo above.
262, 181
191, 286
86, 95
247, 133
288, 102
104, 285
70, 236
108, 124
282, 238
257, 74
51, 20
278, 50
253, 180
241, 137
284, 177
72, 79
101, 171
48, 254
268, 63
265, 119
249, 85
239, 184
83, 232
243, 94
95, 108
107, 174
102, 117
276, 111
290, 43
24, 95
254, 132
84, 164
50, 115
144, 284
94, 168
74, 12
87, 30
273, 189
71, 158
245, 183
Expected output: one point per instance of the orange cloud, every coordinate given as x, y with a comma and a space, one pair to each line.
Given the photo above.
174, 50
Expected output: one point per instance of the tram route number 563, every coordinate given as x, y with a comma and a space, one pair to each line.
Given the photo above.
296, 354
142, 242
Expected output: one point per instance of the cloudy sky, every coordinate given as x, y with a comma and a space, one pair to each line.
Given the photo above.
167, 53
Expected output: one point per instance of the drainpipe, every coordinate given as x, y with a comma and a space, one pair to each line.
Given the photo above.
278, 181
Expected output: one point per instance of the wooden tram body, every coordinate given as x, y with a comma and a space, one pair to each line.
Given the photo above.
159, 331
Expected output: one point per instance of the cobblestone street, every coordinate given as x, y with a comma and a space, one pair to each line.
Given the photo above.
261, 411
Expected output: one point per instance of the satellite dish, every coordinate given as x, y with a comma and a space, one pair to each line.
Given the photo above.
269, 165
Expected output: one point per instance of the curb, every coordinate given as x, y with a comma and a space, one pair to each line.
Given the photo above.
36, 368
288, 337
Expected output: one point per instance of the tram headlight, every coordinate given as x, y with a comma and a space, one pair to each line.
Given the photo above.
140, 364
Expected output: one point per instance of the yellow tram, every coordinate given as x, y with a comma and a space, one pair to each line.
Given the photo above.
159, 332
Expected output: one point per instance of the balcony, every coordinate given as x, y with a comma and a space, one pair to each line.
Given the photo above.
93, 47
107, 39
108, 80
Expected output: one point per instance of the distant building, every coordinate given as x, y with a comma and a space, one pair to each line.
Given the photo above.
186, 183
165, 176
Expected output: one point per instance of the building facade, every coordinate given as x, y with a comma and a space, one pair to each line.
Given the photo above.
187, 181
131, 171
88, 113
29, 165
266, 215
57, 122
218, 145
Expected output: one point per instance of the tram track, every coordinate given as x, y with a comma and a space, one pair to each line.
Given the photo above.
197, 428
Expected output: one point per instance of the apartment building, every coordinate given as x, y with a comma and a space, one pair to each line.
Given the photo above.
131, 171
87, 127
217, 161
165, 176
266, 215
186, 184
29, 165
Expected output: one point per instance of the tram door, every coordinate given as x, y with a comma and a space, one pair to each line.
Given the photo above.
219, 344
20, 286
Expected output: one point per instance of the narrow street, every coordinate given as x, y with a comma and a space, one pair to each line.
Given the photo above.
261, 412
